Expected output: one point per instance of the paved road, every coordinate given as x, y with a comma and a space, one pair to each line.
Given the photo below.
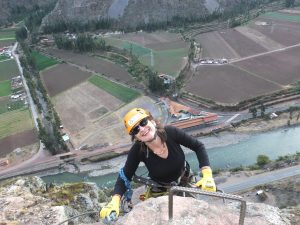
260, 179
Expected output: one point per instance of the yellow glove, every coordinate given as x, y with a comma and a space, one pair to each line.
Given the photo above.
113, 206
207, 182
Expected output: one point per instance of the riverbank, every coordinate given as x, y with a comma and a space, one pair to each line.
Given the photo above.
283, 120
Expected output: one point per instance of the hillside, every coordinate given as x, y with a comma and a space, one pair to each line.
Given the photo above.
130, 13
13, 10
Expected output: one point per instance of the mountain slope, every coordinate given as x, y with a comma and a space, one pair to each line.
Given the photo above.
130, 13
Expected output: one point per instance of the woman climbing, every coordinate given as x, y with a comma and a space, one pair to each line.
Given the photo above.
159, 147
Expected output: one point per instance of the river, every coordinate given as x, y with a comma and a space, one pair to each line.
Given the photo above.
225, 151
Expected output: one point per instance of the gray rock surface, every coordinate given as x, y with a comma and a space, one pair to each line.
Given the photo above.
189, 211
29, 201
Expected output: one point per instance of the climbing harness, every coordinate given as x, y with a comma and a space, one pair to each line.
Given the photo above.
156, 189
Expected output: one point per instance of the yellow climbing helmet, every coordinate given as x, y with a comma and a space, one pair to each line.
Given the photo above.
133, 117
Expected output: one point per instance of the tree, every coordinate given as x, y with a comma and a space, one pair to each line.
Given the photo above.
289, 3
262, 160
21, 34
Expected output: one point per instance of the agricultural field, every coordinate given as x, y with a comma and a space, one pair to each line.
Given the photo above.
123, 93
268, 50
165, 52
96, 65
4, 58
62, 77
284, 15
14, 122
214, 46
259, 38
89, 114
285, 33
281, 67
88, 105
8, 69
227, 84
5, 88
7, 34
16, 125
5, 43
42, 61
240, 43
24, 139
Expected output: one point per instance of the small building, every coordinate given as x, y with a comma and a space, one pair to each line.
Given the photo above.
66, 138
168, 79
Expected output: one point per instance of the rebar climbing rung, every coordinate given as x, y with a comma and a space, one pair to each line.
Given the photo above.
213, 194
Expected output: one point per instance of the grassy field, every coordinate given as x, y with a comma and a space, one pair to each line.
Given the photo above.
165, 61
168, 61
136, 49
3, 57
8, 69
43, 61
7, 106
283, 16
5, 88
7, 34
123, 93
14, 122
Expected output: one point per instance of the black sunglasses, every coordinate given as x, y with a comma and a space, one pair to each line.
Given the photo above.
136, 129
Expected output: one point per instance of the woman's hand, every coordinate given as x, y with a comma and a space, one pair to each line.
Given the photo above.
113, 206
207, 182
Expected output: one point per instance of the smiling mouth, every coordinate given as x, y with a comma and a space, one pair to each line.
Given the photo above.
145, 133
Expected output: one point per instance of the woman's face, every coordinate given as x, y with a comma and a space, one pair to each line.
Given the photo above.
147, 132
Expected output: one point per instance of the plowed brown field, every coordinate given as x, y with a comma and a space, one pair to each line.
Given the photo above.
19, 140
240, 43
98, 65
62, 77
283, 32
227, 84
281, 67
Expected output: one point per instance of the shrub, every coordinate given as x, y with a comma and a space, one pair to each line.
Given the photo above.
262, 160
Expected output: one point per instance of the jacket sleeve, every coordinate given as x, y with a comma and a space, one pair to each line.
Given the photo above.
182, 138
131, 165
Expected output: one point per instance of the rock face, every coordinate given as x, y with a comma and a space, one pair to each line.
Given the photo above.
30, 201
189, 211
130, 12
